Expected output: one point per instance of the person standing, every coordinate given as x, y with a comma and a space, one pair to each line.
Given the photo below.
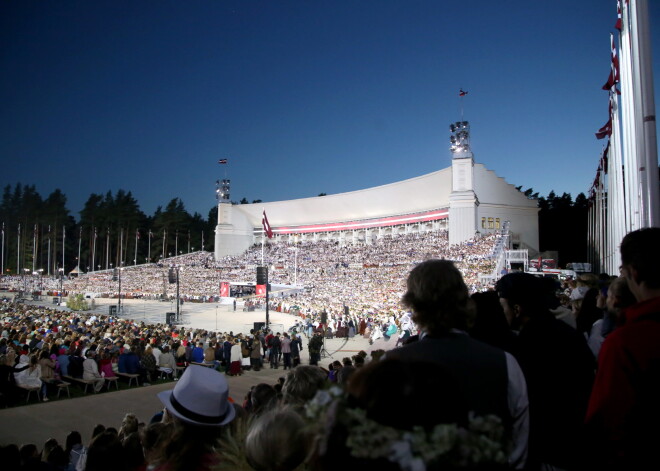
489, 378
558, 367
274, 346
315, 345
285, 345
296, 347
623, 413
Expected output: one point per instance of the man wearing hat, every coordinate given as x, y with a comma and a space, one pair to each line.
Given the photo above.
200, 406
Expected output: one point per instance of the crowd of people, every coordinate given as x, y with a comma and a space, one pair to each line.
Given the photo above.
531, 375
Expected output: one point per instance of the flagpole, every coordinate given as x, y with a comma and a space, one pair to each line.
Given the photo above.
79, 245
18, 251
63, 247
107, 248
649, 146
49, 250
628, 121
137, 231
121, 247
149, 246
34, 246
3, 249
94, 250
263, 239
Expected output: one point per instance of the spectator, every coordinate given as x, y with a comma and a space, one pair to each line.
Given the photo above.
199, 407
558, 367
489, 377
91, 371
623, 409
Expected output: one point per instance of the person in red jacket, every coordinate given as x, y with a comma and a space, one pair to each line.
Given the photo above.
624, 408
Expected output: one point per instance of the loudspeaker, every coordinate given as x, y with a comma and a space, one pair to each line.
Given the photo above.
171, 276
259, 326
114, 274
169, 317
346, 310
262, 275
324, 317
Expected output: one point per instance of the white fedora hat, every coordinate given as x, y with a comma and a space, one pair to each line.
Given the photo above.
201, 397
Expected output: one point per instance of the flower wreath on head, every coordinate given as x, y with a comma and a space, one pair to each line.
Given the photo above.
483, 442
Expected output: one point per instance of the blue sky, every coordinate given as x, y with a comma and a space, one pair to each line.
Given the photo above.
301, 97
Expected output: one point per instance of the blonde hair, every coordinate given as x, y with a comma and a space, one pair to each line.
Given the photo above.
282, 451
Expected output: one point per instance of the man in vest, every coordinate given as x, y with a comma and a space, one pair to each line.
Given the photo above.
489, 378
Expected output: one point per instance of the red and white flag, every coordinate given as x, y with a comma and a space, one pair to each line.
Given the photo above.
222, 161
462, 92
617, 25
613, 79
266, 225
605, 131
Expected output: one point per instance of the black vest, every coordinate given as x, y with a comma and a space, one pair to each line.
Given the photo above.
479, 368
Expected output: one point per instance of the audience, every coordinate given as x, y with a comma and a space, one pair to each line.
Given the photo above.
489, 381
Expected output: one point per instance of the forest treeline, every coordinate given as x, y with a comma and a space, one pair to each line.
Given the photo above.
111, 229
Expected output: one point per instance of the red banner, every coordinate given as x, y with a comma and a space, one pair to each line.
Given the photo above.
261, 291
224, 290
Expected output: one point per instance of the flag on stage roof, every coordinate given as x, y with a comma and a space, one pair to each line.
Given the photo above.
462, 92
266, 224
222, 161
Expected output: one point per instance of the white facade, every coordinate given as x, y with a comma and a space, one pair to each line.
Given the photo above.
457, 198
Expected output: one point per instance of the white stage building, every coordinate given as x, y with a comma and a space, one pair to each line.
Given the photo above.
467, 199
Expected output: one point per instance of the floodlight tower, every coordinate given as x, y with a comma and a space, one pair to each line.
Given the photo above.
463, 201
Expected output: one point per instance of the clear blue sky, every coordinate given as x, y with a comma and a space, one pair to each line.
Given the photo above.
301, 97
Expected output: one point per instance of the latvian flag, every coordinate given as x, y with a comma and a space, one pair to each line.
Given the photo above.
266, 225
222, 161
462, 92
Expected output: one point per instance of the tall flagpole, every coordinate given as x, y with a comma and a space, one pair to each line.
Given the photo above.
49, 237
628, 121
149, 250
94, 250
645, 104
34, 247
137, 233
18, 251
79, 245
3, 249
121, 247
107, 248
63, 246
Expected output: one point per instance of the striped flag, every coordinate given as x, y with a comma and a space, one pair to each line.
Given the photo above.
617, 25
222, 161
266, 225
462, 92
613, 78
